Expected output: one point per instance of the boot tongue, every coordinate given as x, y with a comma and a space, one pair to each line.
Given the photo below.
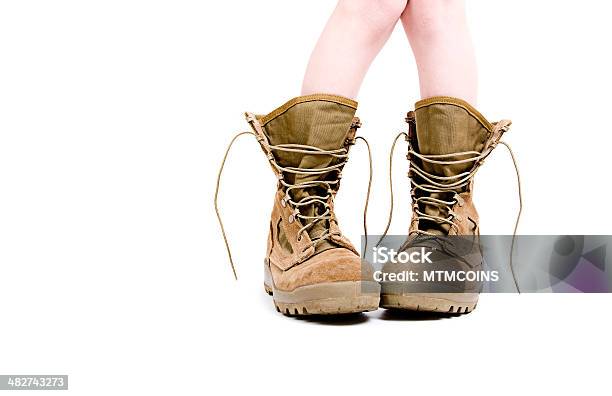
446, 127
321, 121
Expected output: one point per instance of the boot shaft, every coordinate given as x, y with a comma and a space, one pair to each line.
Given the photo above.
322, 122
446, 126
307, 142
449, 140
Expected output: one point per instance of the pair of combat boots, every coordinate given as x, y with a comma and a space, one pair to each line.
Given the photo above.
310, 267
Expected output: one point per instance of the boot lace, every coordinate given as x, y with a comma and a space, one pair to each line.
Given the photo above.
445, 186
325, 189
328, 186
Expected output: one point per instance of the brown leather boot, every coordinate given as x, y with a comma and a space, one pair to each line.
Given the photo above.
310, 267
449, 140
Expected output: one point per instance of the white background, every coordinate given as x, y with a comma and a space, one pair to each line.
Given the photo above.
114, 116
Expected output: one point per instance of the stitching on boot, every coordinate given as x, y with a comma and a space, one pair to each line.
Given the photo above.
308, 98
456, 102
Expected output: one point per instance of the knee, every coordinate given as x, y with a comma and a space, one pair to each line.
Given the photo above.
430, 18
376, 13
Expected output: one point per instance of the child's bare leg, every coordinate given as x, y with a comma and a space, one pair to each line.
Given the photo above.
442, 46
352, 38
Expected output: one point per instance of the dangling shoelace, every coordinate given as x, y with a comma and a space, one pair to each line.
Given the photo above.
435, 184
322, 201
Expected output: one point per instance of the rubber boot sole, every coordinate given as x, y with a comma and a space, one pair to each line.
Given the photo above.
332, 298
450, 303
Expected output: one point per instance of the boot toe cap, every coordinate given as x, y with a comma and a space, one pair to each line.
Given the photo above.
333, 265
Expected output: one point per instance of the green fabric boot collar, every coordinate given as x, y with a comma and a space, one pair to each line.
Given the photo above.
456, 102
264, 119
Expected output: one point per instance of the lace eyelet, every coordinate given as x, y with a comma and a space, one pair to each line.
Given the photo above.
291, 219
